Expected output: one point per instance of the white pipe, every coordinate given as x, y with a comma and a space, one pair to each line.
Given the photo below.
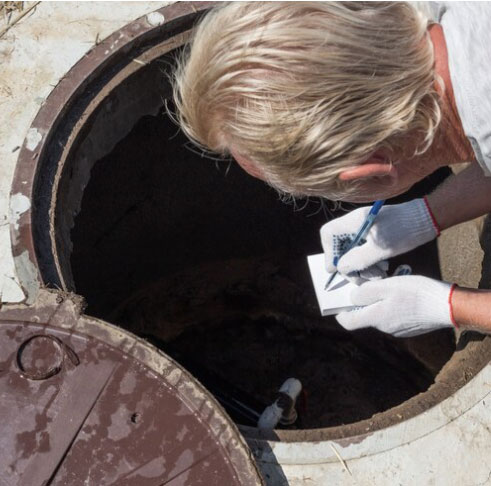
283, 407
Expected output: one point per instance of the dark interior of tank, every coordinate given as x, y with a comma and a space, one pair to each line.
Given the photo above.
210, 265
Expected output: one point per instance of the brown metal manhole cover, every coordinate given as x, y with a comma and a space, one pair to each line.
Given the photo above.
83, 402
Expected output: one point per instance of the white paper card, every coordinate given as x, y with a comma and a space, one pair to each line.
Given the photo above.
337, 297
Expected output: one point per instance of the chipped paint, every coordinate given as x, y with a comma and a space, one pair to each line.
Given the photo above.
28, 275
33, 138
19, 204
128, 384
174, 376
155, 19
119, 427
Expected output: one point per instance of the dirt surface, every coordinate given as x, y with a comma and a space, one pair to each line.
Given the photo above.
255, 323
211, 265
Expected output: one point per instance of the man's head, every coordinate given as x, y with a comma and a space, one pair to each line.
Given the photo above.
316, 98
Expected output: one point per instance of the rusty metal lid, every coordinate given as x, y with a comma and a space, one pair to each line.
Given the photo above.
84, 402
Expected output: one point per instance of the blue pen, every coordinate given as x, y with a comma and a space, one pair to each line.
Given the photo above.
362, 232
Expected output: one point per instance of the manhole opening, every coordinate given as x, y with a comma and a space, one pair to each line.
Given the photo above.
209, 265
129, 217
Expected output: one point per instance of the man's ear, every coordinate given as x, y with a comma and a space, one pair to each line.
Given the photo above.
373, 167
249, 166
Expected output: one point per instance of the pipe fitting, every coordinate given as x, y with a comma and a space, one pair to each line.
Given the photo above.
282, 410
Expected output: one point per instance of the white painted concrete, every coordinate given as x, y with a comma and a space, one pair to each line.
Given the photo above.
445, 446
34, 56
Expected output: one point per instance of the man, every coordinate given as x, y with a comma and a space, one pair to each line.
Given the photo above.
355, 102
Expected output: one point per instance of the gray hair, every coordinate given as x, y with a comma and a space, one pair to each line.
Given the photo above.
307, 89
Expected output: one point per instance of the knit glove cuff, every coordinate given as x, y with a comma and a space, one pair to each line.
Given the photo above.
402, 306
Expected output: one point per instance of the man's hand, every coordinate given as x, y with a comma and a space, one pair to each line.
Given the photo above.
402, 306
398, 228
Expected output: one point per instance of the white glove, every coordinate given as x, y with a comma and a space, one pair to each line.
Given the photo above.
397, 229
402, 306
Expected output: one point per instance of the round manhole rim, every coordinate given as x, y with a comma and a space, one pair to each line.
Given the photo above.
23, 238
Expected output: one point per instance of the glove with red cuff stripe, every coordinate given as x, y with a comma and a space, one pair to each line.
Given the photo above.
402, 306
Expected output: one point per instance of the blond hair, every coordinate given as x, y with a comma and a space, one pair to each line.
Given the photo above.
306, 89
